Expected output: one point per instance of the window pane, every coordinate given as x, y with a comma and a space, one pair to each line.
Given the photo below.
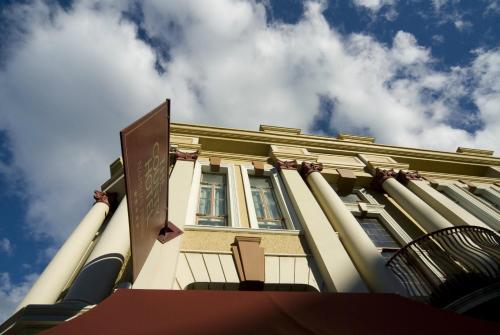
220, 202
350, 198
204, 206
260, 182
257, 202
271, 225
212, 178
211, 222
266, 208
272, 206
377, 233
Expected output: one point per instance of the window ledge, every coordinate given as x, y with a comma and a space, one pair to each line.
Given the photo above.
244, 230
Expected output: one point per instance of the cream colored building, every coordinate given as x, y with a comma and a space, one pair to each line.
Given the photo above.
276, 209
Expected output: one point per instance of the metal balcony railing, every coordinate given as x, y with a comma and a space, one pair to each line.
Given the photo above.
449, 264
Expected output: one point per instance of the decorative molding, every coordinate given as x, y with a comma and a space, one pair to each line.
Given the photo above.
101, 197
346, 181
275, 129
258, 168
215, 164
327, 144
431, 181
186, 156
363, 209
470, 151
405, 176
249, 260
306, 168
286, 165
472, 187
356, 138
381, 175
169, 232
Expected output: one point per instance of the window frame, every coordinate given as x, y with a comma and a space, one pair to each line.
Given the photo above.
233, 218
213, 200
378, 211
283, 201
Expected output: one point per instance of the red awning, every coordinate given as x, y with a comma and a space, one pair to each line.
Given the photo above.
245, 312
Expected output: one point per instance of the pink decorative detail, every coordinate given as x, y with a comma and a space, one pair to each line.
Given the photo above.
381, 176
186, 156
169, 232
405, 177
286, 165
309, 167
101, 197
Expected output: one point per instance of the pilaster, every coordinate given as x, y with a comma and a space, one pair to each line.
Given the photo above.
159, 269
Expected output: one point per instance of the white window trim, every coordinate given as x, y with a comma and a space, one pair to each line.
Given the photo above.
471, 204
488, 193
378, 211
284, 202
232, 197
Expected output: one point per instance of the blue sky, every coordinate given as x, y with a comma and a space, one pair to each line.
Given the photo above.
73, 73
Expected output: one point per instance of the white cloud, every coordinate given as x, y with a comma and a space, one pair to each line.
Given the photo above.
6, 246
80, 76
12, 294
462, 25
373, 5
438, 4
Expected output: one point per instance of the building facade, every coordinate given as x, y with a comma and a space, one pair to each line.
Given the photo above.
278, 210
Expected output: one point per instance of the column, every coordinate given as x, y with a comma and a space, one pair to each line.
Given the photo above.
160, 268
69, 258
453, 212
97, 278
363, 252
425, 215
335, 265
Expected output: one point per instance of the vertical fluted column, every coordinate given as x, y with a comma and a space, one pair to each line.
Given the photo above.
97, 278
361, 249
159, 269
425, 215
68, 259
335, 265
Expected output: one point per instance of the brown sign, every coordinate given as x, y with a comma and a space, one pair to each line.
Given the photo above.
145, 146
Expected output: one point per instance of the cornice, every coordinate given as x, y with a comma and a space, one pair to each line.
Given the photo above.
327, 144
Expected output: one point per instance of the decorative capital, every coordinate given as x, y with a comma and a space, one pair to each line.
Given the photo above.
101, 197
404, 177
286, 165
307, 168
186, 156
381, 175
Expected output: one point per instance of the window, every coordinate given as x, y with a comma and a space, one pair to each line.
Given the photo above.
377, 233
379, 236
350, 198
212, 204
266, 206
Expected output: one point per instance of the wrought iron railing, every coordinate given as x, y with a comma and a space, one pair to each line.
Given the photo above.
448, 264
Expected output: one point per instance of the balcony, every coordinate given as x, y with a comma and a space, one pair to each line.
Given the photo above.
455, 268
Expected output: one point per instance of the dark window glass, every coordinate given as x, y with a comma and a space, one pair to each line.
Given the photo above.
377, 233
350, 198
